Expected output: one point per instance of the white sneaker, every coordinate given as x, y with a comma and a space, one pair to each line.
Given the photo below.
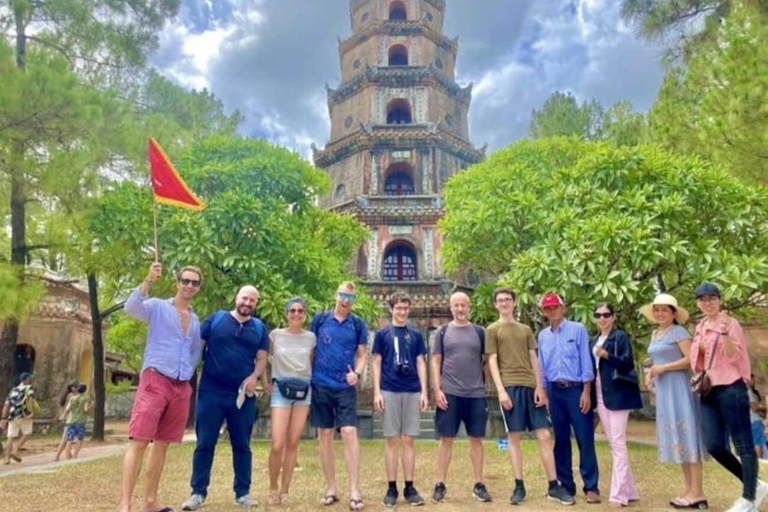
194, 502
761, 494
742, 505
246, 501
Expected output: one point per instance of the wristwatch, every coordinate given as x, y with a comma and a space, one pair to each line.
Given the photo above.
359, 376
724, 333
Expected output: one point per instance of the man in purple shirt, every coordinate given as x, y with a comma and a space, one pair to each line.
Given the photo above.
161, 407
567, 374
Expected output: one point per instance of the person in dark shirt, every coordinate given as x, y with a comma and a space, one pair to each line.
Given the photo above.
399, 373
235, 355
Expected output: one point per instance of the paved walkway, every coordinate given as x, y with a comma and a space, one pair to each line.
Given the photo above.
44, 463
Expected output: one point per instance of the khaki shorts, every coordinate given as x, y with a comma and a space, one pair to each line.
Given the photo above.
401, 414
19, 426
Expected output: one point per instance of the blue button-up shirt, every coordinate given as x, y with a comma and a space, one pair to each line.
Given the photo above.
169, 350
564, 353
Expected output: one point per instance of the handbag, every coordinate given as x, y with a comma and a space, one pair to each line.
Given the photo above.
701, 384
292, 388
619, 376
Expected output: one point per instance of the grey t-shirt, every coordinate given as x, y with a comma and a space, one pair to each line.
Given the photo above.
292, 353
462, 362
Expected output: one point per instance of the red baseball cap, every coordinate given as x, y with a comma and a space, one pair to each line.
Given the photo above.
551, 300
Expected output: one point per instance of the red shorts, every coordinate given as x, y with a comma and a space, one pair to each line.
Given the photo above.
160, 409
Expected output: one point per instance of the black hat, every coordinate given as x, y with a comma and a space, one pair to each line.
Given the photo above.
707, 288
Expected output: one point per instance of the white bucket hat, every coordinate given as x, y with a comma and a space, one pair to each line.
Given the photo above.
664, 299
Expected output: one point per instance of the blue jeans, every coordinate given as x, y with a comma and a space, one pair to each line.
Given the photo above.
728, 407
213, 408
566, 415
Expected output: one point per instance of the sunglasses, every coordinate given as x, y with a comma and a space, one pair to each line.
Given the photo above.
186, 282
602, 315
296, 311
347, 296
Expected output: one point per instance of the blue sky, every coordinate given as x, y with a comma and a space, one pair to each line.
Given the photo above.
270, 59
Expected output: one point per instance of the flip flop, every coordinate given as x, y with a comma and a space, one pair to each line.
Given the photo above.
356, 504
166, 509
330, 499
15, 457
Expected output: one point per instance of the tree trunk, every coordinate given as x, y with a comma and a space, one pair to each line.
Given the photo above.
10, 334
98, 359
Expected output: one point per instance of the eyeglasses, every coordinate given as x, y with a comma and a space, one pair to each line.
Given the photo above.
296, 311
602, 315
505, 300
706, 299
186, 282
347, 296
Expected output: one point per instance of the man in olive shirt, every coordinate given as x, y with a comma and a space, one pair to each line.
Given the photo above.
514, 366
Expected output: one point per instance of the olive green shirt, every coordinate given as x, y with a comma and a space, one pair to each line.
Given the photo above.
511, 342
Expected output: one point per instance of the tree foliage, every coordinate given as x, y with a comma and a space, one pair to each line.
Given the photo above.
561, 115
684, 25
599, 223
717, 106
261, 226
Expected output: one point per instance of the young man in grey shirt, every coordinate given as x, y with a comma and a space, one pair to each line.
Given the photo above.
459, 384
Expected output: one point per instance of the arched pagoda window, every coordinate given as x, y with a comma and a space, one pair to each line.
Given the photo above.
398, 55
399, 263
397, 11
399, 184
399, 112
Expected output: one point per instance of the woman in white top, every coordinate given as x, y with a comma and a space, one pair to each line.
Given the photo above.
291, 349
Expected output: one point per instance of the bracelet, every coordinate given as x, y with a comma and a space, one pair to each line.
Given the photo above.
359, 376
724, 333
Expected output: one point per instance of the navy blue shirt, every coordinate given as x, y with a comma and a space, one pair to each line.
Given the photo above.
391, 379
336, 348
230, 351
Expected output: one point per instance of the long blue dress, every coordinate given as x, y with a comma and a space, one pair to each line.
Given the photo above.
678, 427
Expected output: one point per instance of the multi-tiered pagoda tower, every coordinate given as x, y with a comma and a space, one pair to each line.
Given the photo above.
399, 130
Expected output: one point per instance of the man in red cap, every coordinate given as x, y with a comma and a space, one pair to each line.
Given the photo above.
567, 374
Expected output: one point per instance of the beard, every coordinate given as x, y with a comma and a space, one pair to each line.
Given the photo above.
245, 310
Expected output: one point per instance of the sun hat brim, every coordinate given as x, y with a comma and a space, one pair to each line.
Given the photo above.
647, 311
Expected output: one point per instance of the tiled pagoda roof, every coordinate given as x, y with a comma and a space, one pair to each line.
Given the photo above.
398, 28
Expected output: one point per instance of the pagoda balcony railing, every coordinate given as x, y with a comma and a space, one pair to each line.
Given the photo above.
399, 76
383, 203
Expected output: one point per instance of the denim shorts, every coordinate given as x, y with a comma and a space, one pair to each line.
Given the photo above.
758, 433
278, 400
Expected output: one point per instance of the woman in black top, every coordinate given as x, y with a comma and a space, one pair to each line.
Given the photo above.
617, 392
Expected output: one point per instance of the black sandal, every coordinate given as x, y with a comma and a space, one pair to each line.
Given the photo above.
356, 504
330, 499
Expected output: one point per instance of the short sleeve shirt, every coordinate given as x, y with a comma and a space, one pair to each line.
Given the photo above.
337, 344
17, 401
512, 343
77, 412
462, 372
410, 345
292, 354
230, 351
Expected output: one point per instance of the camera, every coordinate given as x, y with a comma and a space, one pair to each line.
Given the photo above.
403, 367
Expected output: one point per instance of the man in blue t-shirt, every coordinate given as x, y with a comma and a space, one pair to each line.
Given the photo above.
235, 356
339, 363
399, 373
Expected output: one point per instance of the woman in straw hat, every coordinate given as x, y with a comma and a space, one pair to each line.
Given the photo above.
720, 348
677, 410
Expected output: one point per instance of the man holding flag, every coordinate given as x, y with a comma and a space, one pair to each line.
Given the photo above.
173, 349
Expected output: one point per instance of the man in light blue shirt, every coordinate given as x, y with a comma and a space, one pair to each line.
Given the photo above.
161, 406
567, 374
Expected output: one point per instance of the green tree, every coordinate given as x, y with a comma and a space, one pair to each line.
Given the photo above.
716, 106
57, 46
561, 115
596, 222
684, 25
261, 226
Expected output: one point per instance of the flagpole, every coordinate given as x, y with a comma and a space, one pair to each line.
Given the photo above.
154, 215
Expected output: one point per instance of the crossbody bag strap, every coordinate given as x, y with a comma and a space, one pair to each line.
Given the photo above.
714, 347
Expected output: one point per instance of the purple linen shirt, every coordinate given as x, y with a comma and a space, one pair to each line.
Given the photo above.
168, 350
564, 353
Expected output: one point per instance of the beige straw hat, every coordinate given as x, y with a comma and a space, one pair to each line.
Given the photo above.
664, 299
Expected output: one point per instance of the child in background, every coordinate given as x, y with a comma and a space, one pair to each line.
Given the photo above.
758, 434
77, 414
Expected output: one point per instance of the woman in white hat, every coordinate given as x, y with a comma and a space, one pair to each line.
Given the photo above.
677, 410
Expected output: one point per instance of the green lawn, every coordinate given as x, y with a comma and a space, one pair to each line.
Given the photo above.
93, 486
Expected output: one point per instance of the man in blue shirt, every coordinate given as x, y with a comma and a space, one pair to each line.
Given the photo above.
339, 363
235, 356
399, 374
567, 374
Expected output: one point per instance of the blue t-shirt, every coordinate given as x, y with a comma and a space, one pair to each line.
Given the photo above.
392, 379
230, 351
337, 344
